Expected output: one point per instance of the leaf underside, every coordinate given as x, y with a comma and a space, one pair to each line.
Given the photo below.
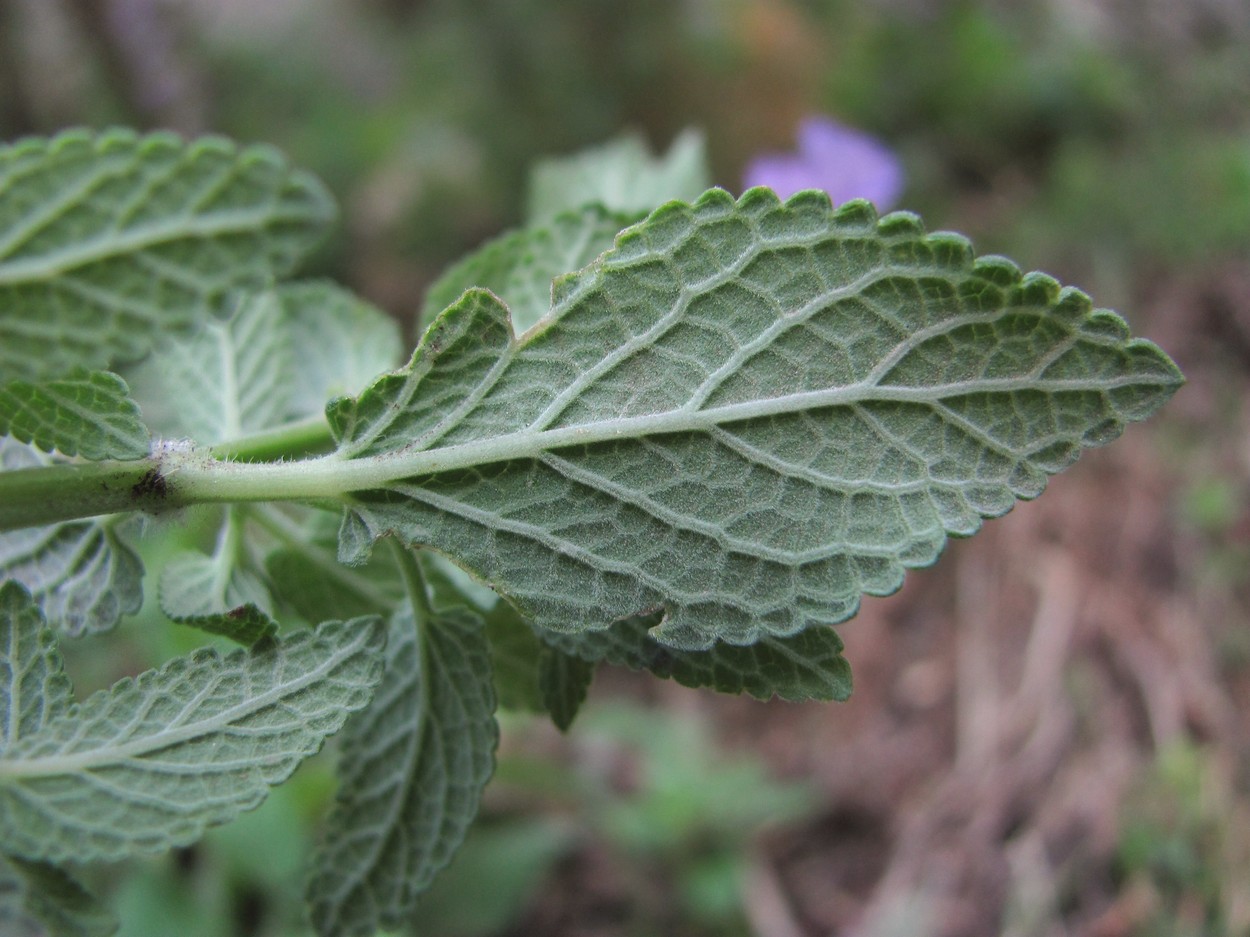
746, 415
412, 772
40, 900
107, 240
152, 762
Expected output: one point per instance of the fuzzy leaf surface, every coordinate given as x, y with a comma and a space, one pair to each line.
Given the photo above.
621, 175
108, 239
412, 772
86, 413
41, 900
519, 267
153, 761
746, 414
806, 666
33, 686
82, 574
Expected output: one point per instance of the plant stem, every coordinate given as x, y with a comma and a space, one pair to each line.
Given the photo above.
292, 441
48, 495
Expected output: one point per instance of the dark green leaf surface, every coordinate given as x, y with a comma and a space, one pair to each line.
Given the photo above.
412, 771
108, 239
565, 681
152, 762
747, 414
86, 413
805, 666
39, 900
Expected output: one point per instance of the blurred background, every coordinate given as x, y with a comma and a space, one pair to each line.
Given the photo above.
1046, 736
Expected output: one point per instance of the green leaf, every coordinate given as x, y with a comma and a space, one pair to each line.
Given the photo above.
412, 772
228, 379
746, 414
306, 573
86, 413
519, 267
39, 900
805, 666
516, 660
82, 574
339, 344
564, 680
621, 175
33, 686
152, 762
107, 240
215, 595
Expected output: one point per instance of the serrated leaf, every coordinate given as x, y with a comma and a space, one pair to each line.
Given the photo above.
215, 595
40, 900
564, 680
82, 574
33, 686
806, 666
520, 266
621, 175
109, 239
412, 772
86, 413
746, 414
339, 344
152, 762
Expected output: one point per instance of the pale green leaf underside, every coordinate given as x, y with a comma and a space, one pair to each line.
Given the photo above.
108, 239
803, 667
33, 686
278, 358
153, 761
39, 900
82, 574
228, 379
621, 175
746, 414
412, 772
519, 267
86, 413
214, 594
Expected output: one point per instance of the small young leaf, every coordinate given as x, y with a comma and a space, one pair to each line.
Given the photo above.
153, 761
806, 666
565, 680
213, 594
107, 240
82, 574
621, 175
86, 413
746, 414
516, 660
33, 686
40, 900
412, 772
519, 267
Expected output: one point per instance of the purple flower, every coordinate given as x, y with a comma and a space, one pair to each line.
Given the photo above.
845, 163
